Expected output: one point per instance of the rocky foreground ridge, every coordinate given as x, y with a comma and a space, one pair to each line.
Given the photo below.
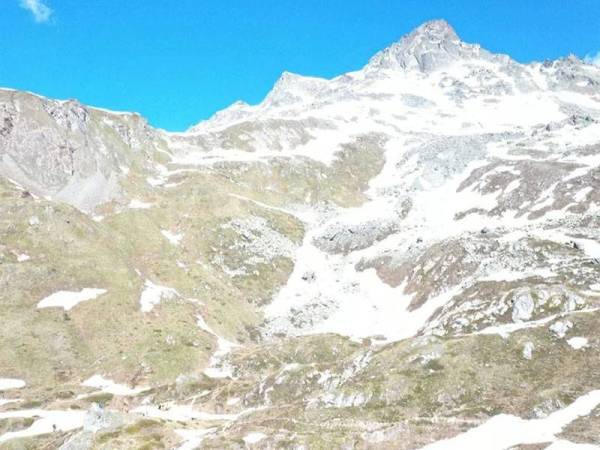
406, 256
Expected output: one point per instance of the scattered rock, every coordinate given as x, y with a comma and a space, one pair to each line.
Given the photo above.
573, 302
79, 441
309, 276
523, 305
99, 418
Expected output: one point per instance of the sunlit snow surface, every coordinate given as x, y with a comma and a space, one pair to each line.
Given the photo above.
109, 386
139, 204
357, 303
504, 431
153, 294
45, 422
11, 383
577, 342
173, 238
69, 299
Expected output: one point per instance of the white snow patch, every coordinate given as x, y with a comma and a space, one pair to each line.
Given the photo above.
254, 437
155, 181
514, 184
582, 194
68, 299
47, 422
22, 257
11, 383
138, 204
217, 367
173, 238
109, 386
577, 342
504, 431
153, 294
233, 401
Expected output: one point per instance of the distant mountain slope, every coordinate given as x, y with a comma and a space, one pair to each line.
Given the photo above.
401, 256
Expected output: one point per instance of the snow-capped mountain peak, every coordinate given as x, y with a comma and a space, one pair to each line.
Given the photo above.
429, 47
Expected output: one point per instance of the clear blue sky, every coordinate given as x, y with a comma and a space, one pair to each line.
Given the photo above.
178, 61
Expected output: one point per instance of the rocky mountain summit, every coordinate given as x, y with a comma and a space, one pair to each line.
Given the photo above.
406, 256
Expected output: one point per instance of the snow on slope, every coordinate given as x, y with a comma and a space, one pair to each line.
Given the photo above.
46, 422
153, 294
447, 109
109, 386
11, 383
68, 299
505, 431
474, 144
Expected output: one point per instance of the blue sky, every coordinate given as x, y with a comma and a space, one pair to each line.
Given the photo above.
178, 61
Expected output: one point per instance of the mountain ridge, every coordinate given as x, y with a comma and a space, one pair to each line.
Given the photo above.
402, 256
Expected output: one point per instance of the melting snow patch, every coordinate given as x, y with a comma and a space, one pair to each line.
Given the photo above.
253, 438
577, 342
505, 431
590, 247
173, 238
68, 299
217, 368
156, 181
109, 386
153, 294
514, 184
233, 401
138, 204
47, 422
582, 194
11, 383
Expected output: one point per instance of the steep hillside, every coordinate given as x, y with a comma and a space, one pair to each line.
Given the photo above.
406, 256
